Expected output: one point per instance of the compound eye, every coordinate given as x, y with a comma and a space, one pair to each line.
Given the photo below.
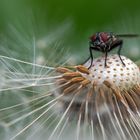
104, 37
93, 38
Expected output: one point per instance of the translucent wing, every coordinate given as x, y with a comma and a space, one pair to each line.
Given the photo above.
128, 35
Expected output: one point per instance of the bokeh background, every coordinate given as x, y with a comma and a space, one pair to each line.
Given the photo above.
59, 30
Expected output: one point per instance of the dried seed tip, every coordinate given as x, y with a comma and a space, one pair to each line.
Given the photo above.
101, 91
107, 83
117, 94
115, 91
61, 81
85, 82
69, 89
90, 94
95, 83
82, 69
130, 102
62, 70
69, 75
77, 79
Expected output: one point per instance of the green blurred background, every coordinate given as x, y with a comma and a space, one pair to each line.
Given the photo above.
85, 17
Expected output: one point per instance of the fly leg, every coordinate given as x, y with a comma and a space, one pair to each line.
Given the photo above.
106, 59
117, 43
119, 50
91, 56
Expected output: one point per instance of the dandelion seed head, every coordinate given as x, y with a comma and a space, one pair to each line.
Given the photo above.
101, 92
115, 72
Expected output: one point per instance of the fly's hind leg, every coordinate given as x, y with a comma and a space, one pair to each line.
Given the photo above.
119, 50
118, 43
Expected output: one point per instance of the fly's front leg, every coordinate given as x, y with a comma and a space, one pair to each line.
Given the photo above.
91, 56
106, 59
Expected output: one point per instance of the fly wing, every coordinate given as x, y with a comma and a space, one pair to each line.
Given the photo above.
128, 35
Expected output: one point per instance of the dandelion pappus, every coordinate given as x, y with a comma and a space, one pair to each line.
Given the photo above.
105, 42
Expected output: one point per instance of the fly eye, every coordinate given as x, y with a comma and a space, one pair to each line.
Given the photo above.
93, 38
104, 37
